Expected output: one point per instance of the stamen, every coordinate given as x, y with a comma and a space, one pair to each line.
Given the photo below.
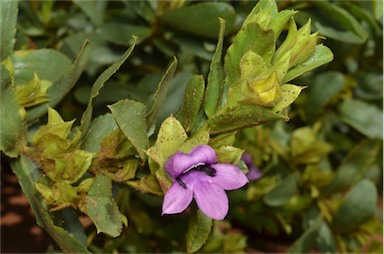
206, 170
181, 183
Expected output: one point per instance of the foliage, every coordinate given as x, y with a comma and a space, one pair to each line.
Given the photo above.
249, 76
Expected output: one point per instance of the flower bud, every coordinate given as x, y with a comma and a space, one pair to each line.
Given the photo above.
261, 91
304, 46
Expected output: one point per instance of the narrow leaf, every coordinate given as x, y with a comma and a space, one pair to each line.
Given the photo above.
193, 97
161, 93
130, 117
99, 83
215, 81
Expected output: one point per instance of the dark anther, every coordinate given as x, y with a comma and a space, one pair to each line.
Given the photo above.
206, 170
182, 184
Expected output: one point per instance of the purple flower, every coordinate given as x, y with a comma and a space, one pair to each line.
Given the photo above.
197, 175
254, 173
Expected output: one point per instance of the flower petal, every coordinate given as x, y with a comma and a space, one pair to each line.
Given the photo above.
254, 173
180, 163
210, 198
228, 176
176, 199
203, 154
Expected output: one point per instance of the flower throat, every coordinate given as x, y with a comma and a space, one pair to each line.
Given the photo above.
201, 168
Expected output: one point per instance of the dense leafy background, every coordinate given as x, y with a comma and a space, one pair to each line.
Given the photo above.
322, 170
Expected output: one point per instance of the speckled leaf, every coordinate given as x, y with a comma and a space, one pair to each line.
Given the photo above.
130, 116
240, 118
169, 139
193, 97
101, 207
289, 95
98, 129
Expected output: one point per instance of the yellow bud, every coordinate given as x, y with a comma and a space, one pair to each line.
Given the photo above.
263, 91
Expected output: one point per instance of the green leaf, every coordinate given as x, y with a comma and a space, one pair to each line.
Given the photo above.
324, 88
193, 97
355, 165
48, 64
122, 34
63, 85
199, 228
240, 118
8, 20
358, 206
289, 95
98, 129
365, 118
169, 139
190, 19
28, 173
12, 130
161, 93
251, 37
93, 9
215, 81
101, 207
99, 83
305, 242
320, 56
130, 117
147, 184
349, 30
306, 147
284, 191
